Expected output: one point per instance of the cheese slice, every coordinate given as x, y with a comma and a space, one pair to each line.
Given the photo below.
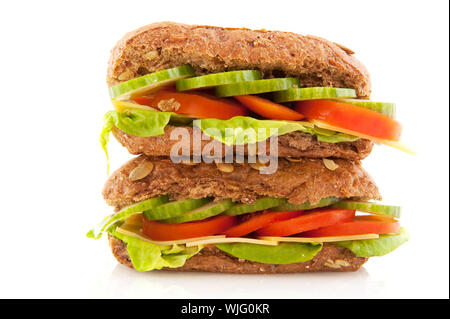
134, 220
136, 231
233, 240
395, 144
304, 123
122, 106
318, 239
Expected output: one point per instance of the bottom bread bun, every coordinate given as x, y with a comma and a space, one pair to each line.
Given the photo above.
211, 259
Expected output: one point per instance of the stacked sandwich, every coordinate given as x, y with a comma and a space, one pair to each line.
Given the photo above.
249, 147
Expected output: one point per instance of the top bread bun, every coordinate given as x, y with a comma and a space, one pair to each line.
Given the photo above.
313, 60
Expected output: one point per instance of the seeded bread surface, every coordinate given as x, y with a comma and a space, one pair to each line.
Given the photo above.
306, 180
313, 60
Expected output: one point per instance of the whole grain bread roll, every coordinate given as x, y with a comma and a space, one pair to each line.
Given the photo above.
313, 60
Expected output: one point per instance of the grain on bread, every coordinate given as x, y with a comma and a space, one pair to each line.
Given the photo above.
306, 180
313, 60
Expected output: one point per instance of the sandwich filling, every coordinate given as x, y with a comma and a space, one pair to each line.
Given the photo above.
168, 210
272, 236
238, 108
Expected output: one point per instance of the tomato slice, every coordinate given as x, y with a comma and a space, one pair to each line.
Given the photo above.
315, 219
361, 225
144, 100
268, 109
211, 226
351, 117
259, 220
199, 105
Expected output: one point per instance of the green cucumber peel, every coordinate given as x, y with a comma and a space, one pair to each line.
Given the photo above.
283, 253
393, 211
312, 93
256, 87
327, 201
147, 83
203, 212
125, 213
258, 205
216, 79
173, 209
376, 247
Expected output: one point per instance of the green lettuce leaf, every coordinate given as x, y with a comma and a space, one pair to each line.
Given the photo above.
148, 123
146, 256
242, 130
336, 138
284, 253
134, 122
238, 130
329, 136
376, 247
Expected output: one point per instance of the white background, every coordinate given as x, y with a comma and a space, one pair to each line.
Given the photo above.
53, 60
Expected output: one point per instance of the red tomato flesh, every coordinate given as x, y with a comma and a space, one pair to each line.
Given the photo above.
312, 220
351, 117
361, 225
259, 220
211, 226
199, 105
268, 109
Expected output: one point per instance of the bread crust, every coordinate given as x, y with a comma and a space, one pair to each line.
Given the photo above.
315, 61
306, 180
211, 259
294, 144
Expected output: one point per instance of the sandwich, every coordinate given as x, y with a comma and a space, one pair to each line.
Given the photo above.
249, 146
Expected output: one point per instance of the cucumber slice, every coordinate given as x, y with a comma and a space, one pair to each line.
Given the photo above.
368, 207
173, 209
256, 87
216, 79
327, 201
149, 82
380, 107
312, 93
260, 204
125, 213
144, 205
206, 211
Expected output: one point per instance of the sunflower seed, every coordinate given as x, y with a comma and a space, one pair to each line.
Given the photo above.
140, 171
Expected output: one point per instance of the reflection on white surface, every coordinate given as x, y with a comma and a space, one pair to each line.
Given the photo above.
391, 276
123, 282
